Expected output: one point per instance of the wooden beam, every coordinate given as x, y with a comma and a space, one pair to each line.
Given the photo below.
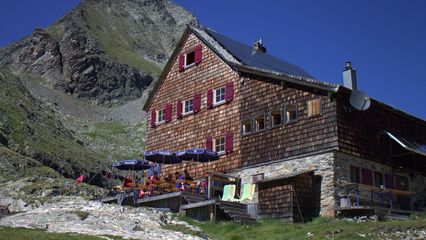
159, 197
198, 204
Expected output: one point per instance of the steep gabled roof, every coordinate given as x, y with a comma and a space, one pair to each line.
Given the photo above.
239, 57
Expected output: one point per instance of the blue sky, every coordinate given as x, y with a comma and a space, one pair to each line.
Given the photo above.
384, 39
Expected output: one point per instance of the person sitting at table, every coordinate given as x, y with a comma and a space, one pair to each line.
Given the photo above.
154, 177
179, 179
187, 176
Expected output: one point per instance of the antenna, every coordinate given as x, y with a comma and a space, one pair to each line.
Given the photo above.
359, 100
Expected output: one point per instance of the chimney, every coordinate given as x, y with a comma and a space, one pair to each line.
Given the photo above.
258, 47
349, 77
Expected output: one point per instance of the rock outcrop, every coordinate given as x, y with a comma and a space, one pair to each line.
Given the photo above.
104, 51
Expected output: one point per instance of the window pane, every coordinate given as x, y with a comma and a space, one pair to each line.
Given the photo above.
246, 127
291, 113
189, 58
276, 118
220, 95
260, 122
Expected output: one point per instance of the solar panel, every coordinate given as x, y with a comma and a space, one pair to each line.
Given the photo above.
261, 60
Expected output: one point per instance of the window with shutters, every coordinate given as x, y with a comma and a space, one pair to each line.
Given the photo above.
276, 118
219, 96
314, 107
219, 145
161, 116
259, 122
291, 113
188, 106
189, 59
247, 126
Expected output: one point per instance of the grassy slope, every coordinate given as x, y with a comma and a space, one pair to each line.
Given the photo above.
114, 36
321, 228
31, 234
37, 132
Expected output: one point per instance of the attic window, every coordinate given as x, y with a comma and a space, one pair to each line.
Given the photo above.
291, 113
260, 122
276, 118
189, 59
246, 127
161, 116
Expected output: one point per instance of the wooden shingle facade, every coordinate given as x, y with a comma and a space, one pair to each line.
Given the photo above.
268, 117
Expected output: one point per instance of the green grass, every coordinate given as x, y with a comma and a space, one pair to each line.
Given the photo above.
33, 234
106, 130
37, 131
320, 228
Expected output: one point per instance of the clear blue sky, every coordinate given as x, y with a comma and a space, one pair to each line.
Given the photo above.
384, 39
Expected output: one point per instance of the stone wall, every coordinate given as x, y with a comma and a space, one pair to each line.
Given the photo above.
323, 164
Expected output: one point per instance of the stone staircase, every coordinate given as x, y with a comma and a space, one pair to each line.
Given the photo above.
237, 212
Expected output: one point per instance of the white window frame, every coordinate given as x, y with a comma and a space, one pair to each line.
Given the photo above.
243, 127
215, 102
161, 114
221, 144
185, 60
185, 103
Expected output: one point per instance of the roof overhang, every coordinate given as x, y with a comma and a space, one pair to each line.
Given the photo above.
409, 145
307, 82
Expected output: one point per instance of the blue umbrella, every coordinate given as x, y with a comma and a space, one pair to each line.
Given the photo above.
197, 154
135, 165
162, 156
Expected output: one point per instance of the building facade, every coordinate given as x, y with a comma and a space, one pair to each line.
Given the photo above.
267, 118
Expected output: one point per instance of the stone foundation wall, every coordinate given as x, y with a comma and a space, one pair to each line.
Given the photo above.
322, 163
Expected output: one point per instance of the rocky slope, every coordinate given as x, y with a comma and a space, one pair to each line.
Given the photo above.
103, 51
74, 100
94, 218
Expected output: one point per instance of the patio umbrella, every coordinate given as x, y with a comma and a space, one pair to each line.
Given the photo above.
197, 155
162, 156
135, 165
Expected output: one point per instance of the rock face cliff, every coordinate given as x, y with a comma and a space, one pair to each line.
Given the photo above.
103, 51
72, 98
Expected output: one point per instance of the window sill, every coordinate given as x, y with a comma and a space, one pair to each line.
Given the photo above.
187, 113
219, 103
189, 66
221, 153
246, 134
160, 123
276, 126
290, 122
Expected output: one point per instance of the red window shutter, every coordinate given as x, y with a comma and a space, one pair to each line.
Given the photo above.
210, 98
389, 181
181, 64
367, 176
179, 108
229, 91
198, 54
229, 142
197, 102
153, 118
209, 143
168, 113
